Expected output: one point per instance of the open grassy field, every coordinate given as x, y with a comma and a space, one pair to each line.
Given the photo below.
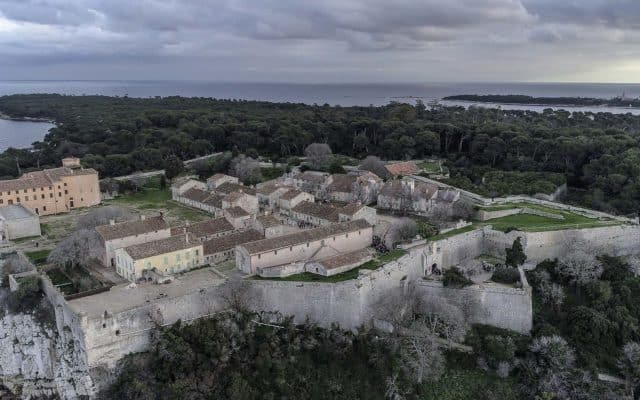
156, 199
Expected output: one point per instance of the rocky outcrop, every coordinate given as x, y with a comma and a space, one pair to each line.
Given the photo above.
37, 360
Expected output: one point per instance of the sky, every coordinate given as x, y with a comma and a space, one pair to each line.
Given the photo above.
322, 41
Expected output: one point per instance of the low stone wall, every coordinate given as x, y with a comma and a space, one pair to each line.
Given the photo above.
485, 215
488, 304
280, 271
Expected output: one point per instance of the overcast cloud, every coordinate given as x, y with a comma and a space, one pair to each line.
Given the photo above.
322, 41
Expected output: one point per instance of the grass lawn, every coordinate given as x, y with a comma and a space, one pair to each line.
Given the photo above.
536, 223
454, 232
153, 198
345, 276
38, 257
461, 384
430, 167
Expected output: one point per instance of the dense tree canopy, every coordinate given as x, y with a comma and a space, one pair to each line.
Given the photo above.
597, 152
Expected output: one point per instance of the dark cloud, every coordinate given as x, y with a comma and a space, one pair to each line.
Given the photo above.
284, 39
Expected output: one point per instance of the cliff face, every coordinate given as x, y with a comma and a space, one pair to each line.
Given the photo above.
38, 360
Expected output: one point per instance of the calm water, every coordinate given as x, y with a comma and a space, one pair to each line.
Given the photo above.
21, 134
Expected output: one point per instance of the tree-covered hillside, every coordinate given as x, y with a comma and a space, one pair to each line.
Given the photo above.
598, 153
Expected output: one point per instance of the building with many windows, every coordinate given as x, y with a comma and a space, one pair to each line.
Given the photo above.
54, 190
164, 257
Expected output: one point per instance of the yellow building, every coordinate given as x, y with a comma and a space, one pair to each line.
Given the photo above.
164, 256
54, 190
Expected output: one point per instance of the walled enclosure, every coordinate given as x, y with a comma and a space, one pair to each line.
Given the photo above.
105, 327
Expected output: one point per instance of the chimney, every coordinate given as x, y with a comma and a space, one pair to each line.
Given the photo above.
142, 217
186, 238
112, 222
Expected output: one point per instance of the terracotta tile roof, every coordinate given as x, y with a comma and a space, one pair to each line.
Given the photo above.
291, 194
229, 187
214, 200
224, 243
305, 236
271, 187
131, 228
318, 210
402, 168
268, 221
205, 228
234, 196
44, 178
312, 176
236, 212
351, 208
395, 188
162, 246
343, 259
198, 195
425, 190
342, 183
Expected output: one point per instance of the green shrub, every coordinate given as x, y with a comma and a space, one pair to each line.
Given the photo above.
506, 275
27, 297
453, 277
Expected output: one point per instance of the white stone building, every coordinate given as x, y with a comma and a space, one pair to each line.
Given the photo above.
222, 248
17, 221
123, 234
318, 243
205, 230
292, 198
216, 180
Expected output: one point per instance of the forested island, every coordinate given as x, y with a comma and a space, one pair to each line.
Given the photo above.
597, 153
550, 101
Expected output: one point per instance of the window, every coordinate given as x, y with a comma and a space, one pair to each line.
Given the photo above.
10, 201
259, 256
17, 192
44, 208
59, 194
275, 252
66, 191
50, 195
197, 252
291, 248
347, 235
307, 244
25, 190
65, 183
42, 195
1, 201
17, 199
42, 189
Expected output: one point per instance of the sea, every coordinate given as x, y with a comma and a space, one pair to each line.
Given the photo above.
22, 133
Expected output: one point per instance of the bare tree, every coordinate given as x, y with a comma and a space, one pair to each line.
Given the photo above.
634, 265
375, 165
399, 307
401, 230
246, 169
446, 320
14, 264
76, 249
462, 209
579, 265
318, 155
420, 354
629, 364
551, 294
236, 293
103, 216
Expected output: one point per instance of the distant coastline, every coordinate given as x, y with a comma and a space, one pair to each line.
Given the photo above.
25, 119
619, 102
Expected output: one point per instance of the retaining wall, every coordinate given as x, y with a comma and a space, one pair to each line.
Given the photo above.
488, 304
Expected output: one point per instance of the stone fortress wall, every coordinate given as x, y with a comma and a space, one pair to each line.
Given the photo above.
98, 340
